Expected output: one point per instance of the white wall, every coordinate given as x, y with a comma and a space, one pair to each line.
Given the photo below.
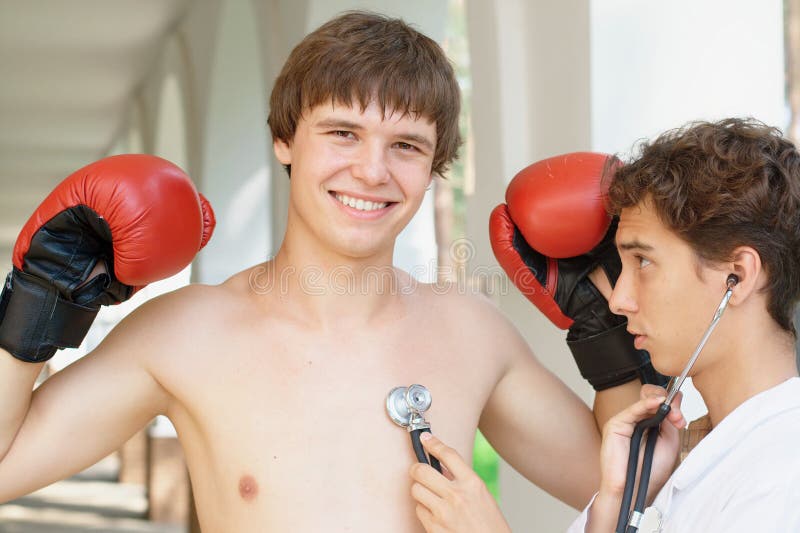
656, 65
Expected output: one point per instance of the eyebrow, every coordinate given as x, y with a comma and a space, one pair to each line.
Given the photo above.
634, 245
348, 125
338, 123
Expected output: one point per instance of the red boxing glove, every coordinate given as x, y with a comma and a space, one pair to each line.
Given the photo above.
554, 231
139, 214
559, 203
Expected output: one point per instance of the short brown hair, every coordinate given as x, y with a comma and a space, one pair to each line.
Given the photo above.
364, 56
720, 185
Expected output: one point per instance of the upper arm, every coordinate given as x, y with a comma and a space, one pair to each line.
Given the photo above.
89, 409
540, 426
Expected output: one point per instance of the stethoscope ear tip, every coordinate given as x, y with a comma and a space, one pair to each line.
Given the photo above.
732, 280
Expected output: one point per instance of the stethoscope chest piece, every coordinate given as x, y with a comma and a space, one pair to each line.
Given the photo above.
405, 406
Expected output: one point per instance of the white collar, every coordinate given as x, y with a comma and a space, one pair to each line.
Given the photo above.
734, 427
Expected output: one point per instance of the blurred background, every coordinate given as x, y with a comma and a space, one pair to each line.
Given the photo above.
189, 80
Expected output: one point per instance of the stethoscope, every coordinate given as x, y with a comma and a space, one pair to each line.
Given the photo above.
405, 406
651, 425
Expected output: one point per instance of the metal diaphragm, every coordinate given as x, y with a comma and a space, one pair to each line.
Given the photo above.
396, 406
418, 398
402, 402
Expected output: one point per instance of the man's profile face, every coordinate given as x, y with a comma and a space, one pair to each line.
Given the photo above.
668, 297
357, 177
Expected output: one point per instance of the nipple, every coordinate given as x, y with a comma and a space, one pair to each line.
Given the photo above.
248, 487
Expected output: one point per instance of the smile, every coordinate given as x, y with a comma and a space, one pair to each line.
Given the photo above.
359, 203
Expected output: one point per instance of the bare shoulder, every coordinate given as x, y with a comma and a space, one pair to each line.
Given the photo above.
461, 304
178, 320
475, 318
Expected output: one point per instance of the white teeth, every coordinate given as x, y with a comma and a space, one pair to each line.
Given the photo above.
360, 204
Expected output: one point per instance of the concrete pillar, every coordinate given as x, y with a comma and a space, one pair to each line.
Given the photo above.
236, 174
530, 79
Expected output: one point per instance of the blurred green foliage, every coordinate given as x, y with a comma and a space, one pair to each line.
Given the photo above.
486, 463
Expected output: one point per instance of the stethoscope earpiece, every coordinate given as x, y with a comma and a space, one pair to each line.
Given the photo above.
732, 280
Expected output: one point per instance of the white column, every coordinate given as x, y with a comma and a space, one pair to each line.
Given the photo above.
530, 75
236, 173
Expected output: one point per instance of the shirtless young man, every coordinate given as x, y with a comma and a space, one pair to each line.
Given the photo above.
275, 380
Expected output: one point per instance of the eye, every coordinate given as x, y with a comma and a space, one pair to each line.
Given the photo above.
344, 134
643, 261
405, 146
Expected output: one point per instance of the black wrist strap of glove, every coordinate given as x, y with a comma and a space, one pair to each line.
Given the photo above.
609, 359
35, 320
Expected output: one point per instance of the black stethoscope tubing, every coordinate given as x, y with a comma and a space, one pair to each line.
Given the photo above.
419, 451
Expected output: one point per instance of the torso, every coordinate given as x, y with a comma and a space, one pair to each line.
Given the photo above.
284, 426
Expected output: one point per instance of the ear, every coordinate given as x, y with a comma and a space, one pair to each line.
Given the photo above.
283, 151
747, 266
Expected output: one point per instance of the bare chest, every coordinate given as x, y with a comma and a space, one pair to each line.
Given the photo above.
292, 430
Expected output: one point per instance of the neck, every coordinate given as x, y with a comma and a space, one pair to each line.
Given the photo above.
331, 290
746, 367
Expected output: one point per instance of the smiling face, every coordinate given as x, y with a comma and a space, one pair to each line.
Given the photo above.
667, 294
357, 177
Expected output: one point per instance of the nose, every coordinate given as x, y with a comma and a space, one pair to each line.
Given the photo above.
370, 164
622, 300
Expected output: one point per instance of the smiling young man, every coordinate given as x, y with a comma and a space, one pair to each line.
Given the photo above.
276, 379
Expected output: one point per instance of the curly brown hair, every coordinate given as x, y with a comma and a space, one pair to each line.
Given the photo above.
720, 185
360, 56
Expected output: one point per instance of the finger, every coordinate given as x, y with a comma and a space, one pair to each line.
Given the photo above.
677, 400
652, 391
424, 496
446, 455
425, 517
623, 423
446, 473
638, 411
430, 478
675, 415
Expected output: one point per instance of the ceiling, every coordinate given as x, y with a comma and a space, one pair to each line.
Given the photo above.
70, 72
